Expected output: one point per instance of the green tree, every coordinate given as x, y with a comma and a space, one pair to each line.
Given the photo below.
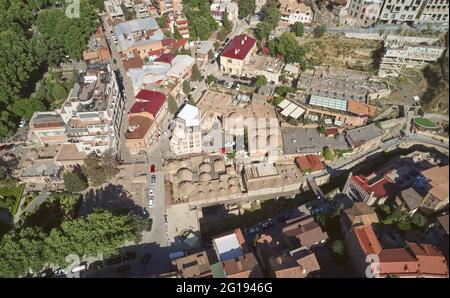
298, 28
260, 81
328, 153
93, 170
320, 31
246, 8
176, 33
210, 79
186, 87
418, 220
211, 54
74, 183
337, 246
196, 75
172, 104
162, 21
226, 23
201, 22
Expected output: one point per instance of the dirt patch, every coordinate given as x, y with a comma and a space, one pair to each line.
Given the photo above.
340, 51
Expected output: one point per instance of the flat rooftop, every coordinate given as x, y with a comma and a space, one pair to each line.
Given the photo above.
298, 140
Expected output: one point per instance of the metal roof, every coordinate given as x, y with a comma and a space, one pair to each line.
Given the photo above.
328, 102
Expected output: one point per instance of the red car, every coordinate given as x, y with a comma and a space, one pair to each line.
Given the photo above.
152, 168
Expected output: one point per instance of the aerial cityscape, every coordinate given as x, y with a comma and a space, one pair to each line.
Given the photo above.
224, 139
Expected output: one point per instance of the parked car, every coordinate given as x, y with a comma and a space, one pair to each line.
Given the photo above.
316, 210
96, 265
221, 82
129, 255
153, 179
267, 224
237, 86
150, 203
22, 123
176, 255
229, 85
283, 218
146, 258
123, 268
253, 230
113, 260
152, 168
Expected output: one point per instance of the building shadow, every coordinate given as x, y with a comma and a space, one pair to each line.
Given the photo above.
110, 197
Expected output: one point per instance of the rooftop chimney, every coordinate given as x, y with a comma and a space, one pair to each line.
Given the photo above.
242, 42
245, 37
236, 51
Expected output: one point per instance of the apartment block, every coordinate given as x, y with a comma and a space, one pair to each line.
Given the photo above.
237, 53
364, 12
395, 11
434, 11
186, 136
295, 11
90, 118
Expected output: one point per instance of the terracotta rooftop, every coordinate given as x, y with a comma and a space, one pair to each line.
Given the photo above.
245, 266
360, 213
239, 47
438, 178
368, 240
380, 188
332, 131
307, 231
360, 109
309, 162
138, 126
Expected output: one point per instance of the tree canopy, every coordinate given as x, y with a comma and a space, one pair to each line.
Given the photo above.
319, 31
196, 75
31, 248
270, 19
260, 81
201, 22
298, 28
246, 8
73, 182
29, 42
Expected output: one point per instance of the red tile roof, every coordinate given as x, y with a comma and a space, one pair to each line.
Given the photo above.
309, 162
150, 95
148, 101
368, 240
167, 58
430, 259
332, 131
413, 260
239, 47
380, 189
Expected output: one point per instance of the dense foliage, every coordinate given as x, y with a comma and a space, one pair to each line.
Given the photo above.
31, 248
201, 22
29, 43
287, 46
246, 8
270, 18
98, 169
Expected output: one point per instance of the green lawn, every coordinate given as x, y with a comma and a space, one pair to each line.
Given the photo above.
427, 123
10, 197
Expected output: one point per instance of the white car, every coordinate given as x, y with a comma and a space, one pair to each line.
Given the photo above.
152, 191
150, 203
22, 123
